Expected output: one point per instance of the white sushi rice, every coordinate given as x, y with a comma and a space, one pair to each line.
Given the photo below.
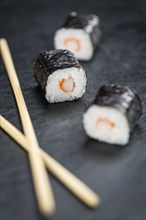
86, 47
119, 134
55, 94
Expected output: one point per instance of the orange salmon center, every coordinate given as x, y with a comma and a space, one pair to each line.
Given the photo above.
67, 85
75, 41
104, 120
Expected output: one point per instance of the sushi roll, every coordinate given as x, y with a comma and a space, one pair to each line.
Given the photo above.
80, 34
61, 76
113, 115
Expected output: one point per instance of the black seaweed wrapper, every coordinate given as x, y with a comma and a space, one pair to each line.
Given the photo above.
49, 62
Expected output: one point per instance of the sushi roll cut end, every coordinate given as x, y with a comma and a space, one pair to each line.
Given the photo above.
77, 41
66, 85
113, 115
106, 124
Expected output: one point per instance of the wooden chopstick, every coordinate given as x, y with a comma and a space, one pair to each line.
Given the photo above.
76, 186
42, 185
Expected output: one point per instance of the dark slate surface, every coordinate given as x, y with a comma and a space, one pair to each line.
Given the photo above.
116, 173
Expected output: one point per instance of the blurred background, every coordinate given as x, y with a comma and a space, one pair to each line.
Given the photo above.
117, 174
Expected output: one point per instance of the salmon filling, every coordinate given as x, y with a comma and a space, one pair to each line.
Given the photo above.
76, 42
104, 120
67, 85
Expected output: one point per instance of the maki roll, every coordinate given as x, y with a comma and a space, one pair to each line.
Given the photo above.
61, 76
80, 34
113, 114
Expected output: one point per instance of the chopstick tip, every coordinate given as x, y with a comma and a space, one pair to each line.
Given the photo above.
48, 209
95, 202
2, 40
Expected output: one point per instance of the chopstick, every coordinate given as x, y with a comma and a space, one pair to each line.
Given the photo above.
76, 186
42, 185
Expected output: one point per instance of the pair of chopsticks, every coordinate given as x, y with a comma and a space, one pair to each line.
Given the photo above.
39, 159
42, 186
